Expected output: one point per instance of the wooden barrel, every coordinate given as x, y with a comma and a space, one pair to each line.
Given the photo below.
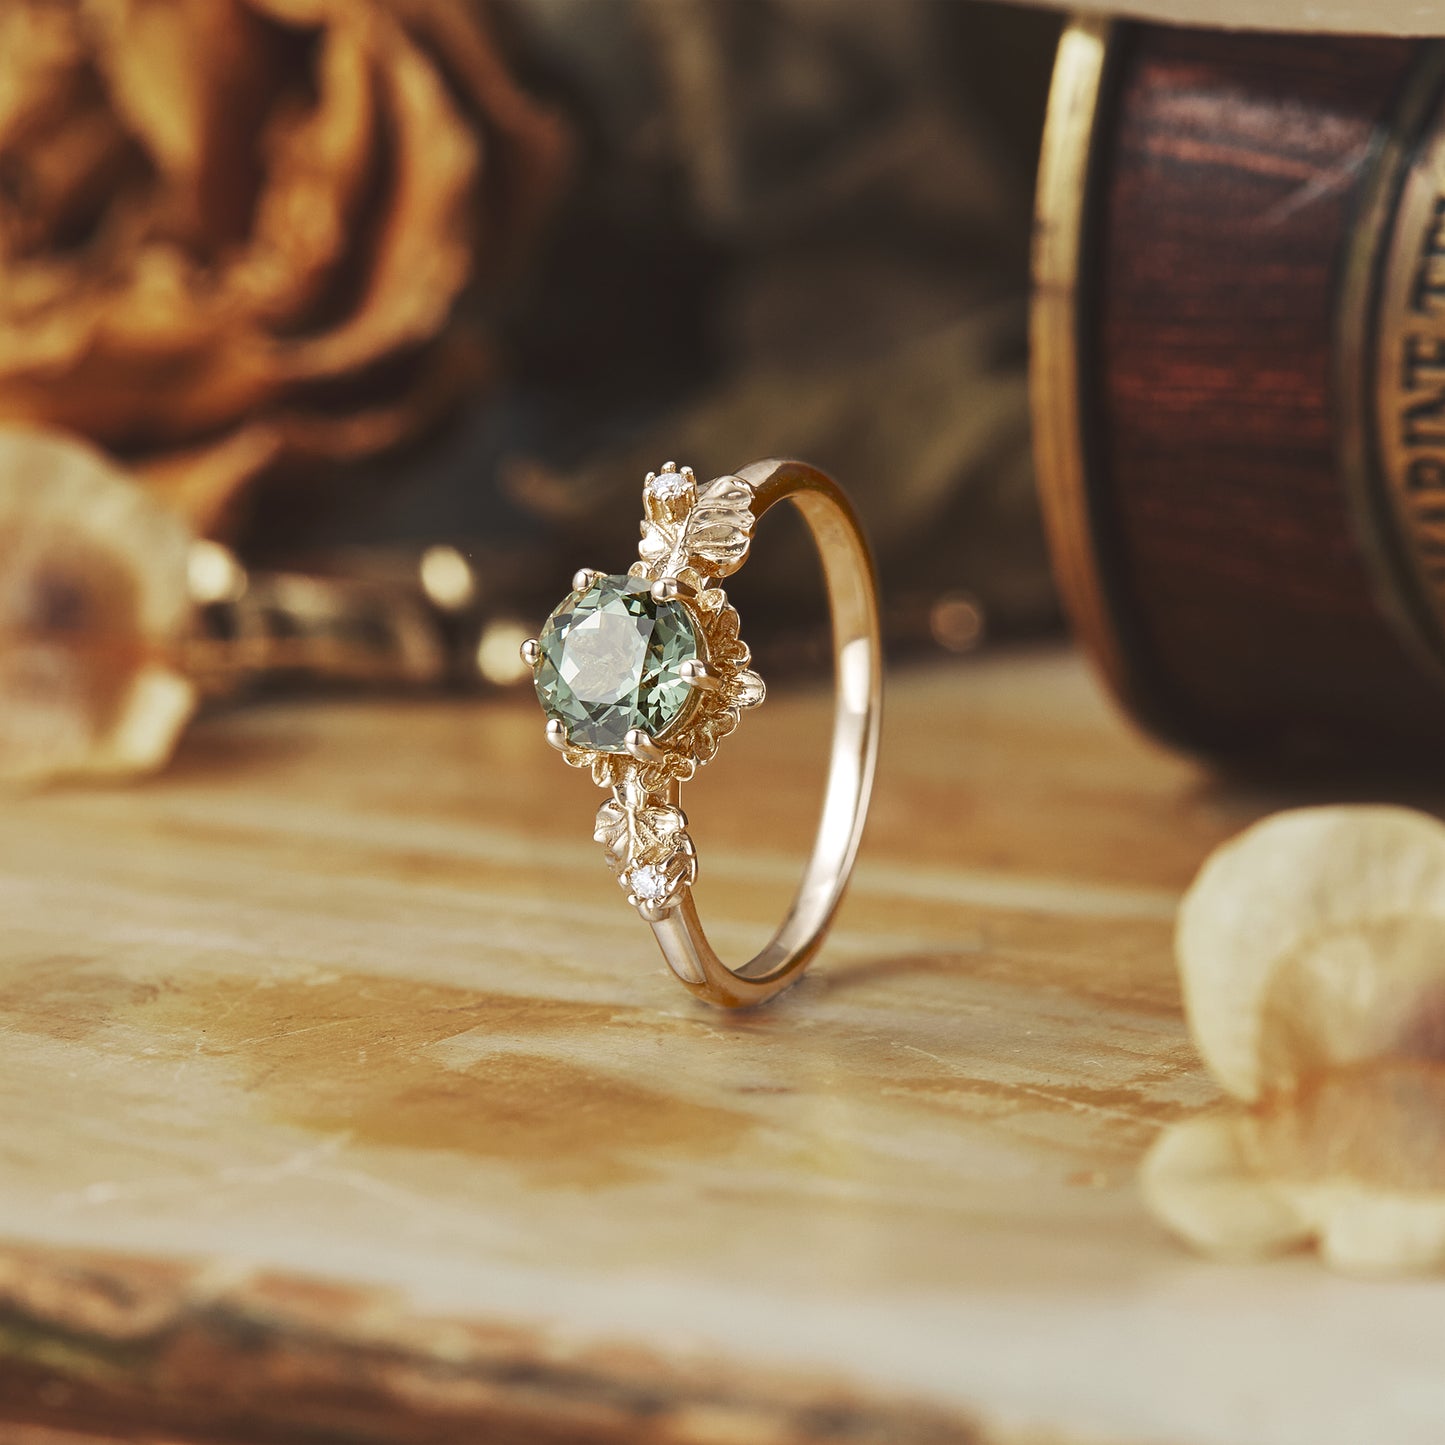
1239, 381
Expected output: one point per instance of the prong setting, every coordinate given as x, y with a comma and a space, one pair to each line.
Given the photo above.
673, 490
583, 578
665, 589
557, 734
641, 745
694, 673
531, 651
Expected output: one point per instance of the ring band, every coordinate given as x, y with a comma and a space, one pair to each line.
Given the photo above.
641, 675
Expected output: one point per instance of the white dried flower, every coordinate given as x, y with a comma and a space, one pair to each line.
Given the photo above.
1312, 954
93, 604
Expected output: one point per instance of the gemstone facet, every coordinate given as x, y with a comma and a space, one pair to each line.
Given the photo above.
610, 660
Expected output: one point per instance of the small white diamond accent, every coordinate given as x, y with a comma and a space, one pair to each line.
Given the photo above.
668, 485
649, 883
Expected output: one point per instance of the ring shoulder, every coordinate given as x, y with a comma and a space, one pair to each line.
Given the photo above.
648, 848
693, 532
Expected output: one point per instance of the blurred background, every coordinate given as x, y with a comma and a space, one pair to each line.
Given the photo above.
335, 282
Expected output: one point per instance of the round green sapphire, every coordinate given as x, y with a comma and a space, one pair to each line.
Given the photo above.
610, 659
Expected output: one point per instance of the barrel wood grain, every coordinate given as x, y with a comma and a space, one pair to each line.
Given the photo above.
1232, 171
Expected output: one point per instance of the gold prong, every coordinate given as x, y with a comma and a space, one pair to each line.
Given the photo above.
531, 651
641, 746
583, 578
690, 475
669, 466
652, 912
557, 734
693, 671
665, 589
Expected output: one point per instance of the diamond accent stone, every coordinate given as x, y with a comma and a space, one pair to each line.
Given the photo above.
610, 660
649, 883
670, 485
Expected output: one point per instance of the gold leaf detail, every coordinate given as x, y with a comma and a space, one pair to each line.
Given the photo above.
725, 648
610, 769
710, 730
746, 689
720, 527
673, 766
659, 539
645, 833
709, 538
647, 847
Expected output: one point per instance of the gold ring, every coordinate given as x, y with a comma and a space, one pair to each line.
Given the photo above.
642, 674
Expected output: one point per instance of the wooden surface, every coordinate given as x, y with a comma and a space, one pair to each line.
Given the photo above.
344, 1099
1231, 172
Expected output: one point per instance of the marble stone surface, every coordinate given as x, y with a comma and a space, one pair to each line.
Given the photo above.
337, 1082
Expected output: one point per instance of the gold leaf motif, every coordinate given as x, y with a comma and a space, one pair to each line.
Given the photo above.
696, 535
647, 847
746, 689
709, 538
577, 757
645, 833
612, 770
674, 766
608, 769
659, 540
711, 729
724, 645
720, 527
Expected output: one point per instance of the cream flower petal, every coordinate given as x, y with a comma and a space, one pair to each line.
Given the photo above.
1200, 1180
1307, 940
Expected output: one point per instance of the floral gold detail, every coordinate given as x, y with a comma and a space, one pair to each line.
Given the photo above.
600, 652
648, 848
1312, 954
694, 533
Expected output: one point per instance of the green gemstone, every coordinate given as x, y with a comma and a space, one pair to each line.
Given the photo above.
610, 659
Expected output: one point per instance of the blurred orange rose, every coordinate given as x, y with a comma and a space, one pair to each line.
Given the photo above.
235, 234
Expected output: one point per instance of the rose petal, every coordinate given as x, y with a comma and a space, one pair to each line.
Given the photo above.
288, 199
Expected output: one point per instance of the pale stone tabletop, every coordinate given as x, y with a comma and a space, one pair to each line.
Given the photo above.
345, 1098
